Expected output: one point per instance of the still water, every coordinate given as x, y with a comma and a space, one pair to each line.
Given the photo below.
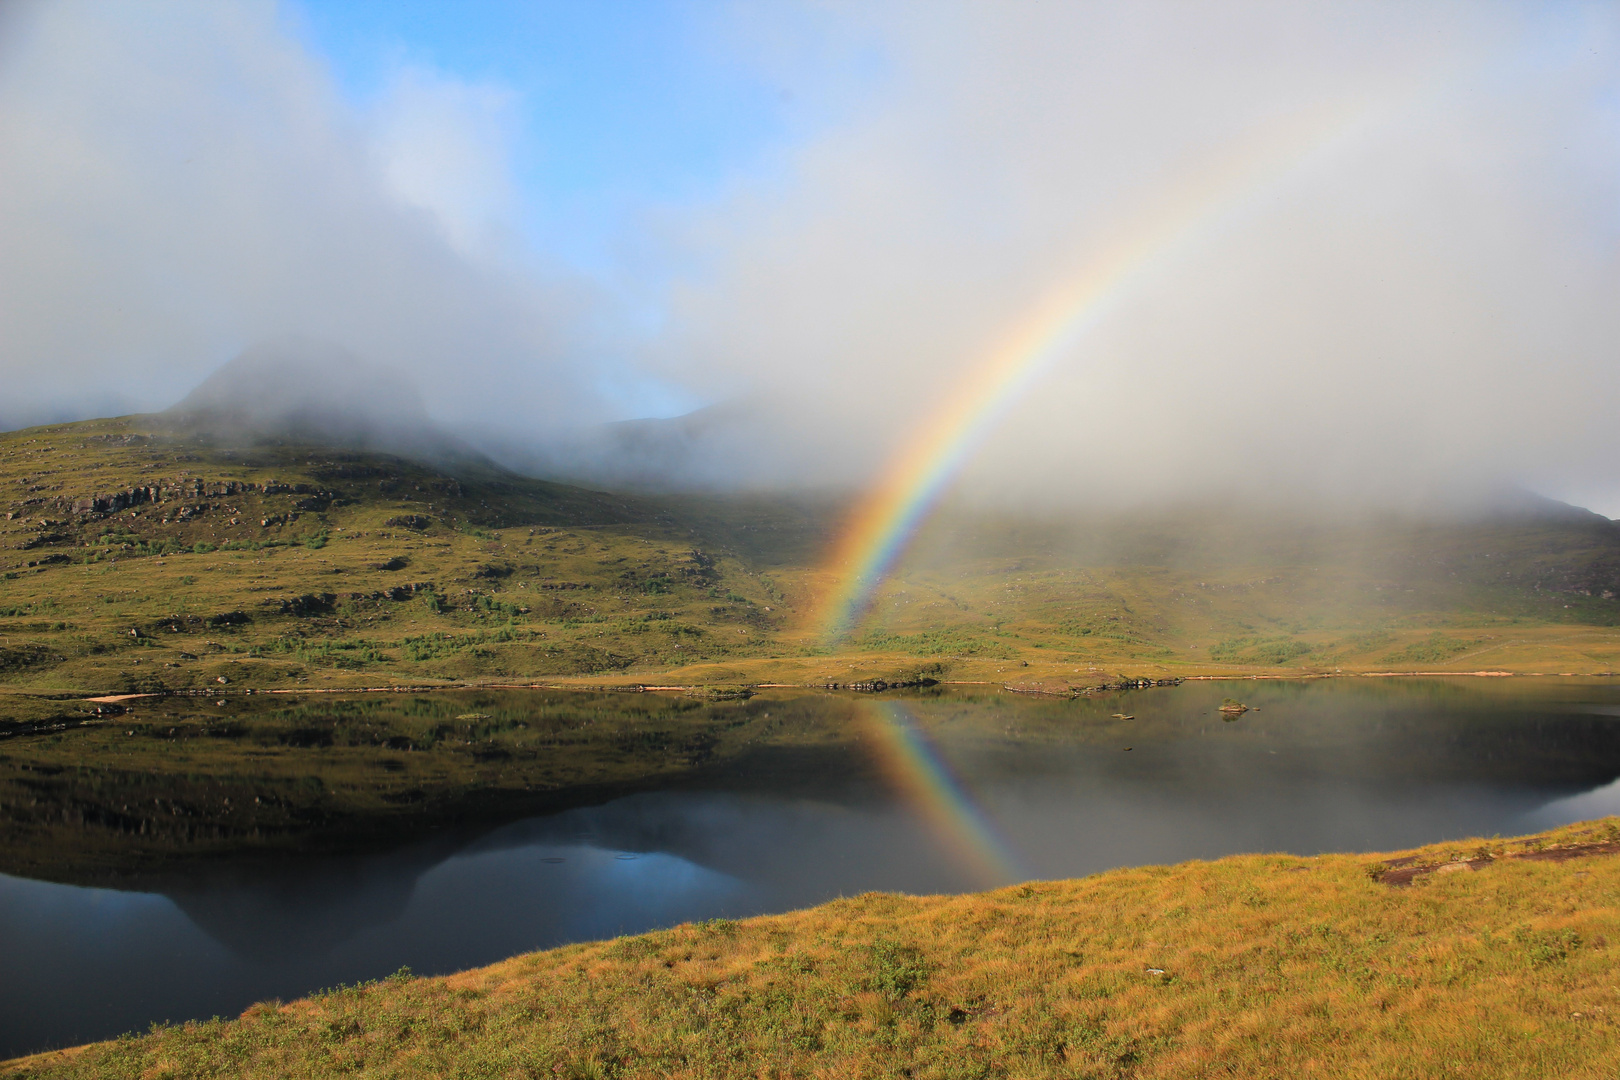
931, 793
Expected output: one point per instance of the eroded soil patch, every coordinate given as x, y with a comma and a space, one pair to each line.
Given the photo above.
1404, 871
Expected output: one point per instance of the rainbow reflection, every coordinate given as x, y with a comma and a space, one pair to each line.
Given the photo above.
911, 763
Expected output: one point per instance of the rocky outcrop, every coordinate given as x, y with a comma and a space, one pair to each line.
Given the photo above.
115, 501
305, 605
1070, 690
877, 686
187, 490
398, 593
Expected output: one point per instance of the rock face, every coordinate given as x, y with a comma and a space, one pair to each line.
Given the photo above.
185, 497
302, 390
112, 502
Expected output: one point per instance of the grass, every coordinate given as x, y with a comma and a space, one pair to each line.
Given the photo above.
1251, 966
136, 558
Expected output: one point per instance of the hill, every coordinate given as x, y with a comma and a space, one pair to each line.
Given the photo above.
146, 555
1478, 958
167, 553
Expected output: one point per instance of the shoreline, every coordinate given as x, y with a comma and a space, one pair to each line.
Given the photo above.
860, 688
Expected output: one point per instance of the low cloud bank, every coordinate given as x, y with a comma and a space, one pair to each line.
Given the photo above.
1422, 304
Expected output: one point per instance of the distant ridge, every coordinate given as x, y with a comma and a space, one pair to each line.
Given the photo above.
304, 390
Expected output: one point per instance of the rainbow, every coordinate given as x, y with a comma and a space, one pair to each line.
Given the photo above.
922, 778
908, 489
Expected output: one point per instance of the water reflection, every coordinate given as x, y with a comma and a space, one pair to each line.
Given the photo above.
784, 824
1600, 802
84, 962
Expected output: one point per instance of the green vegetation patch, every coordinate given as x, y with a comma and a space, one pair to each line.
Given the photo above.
1273, 651
1437, 648
945, 642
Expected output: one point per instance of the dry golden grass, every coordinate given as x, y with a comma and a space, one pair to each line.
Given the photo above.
1251, 966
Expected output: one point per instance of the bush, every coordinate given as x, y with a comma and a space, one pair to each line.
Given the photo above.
897, 969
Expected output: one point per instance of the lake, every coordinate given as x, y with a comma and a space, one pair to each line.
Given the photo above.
191, 857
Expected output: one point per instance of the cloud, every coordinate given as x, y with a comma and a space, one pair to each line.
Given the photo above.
182, 181
1428, 299
443, 146
1422, 297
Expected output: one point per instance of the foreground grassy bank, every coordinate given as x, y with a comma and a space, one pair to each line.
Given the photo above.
1479, 958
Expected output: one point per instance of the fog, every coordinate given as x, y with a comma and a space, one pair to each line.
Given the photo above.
1407, 285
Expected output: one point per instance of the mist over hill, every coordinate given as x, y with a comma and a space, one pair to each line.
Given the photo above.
299, 390
308, 391
732, 446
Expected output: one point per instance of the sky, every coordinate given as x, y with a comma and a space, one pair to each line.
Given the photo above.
1372, 250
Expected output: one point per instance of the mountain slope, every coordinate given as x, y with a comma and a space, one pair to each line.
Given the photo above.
130, 541
154, 552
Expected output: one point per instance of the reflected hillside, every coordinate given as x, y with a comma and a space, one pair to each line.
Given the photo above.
187, 782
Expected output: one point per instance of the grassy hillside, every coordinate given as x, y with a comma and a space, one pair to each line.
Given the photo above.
1478, 958
135, 557
142, 559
